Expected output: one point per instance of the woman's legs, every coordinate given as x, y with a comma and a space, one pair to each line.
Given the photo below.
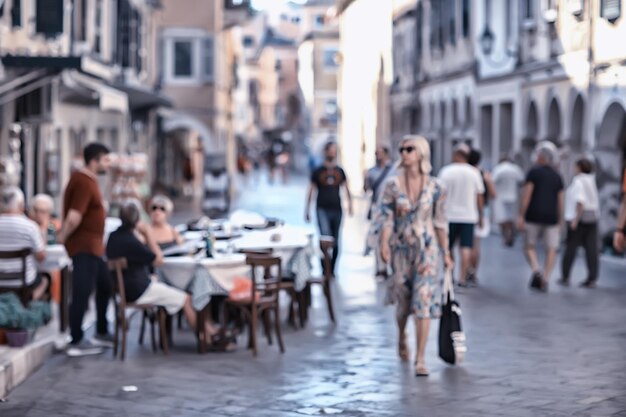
403, 349
422, 328
210, 329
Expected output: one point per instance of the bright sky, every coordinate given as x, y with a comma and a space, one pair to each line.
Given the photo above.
275, 4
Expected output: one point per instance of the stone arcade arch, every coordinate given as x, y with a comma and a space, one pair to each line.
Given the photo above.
530, 138
554, 122
611, 160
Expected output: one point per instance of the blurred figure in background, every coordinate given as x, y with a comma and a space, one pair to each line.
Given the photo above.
618, 235
375, 176
327, 181
464, 205
507, 178
374, 180
483, 230
540, 214
582, 212
278, 158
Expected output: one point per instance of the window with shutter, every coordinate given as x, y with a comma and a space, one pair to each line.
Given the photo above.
466, 18
529, 9
49, 17
611, 9
183, 62
16, 13
208, 58
452, 21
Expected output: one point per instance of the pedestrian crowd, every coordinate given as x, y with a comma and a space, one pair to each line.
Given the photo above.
421, 222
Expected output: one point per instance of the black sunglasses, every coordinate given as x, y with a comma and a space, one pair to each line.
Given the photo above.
155, 208
407, 149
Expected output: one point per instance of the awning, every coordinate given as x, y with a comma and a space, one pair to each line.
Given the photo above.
141, 98
175, 120
23, 84
108, 98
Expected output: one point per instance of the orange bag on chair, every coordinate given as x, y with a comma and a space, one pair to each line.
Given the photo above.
242, 290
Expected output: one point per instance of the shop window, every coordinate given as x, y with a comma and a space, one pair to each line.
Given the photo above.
611, 10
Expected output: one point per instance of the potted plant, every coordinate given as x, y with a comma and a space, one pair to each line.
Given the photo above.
19, 321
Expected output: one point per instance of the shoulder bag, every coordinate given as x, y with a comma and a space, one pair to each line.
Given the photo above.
452, 346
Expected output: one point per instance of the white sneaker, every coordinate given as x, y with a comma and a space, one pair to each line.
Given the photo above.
102, 340
84, 348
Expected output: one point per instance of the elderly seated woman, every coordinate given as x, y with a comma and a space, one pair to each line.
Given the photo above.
164, 234
126, 242
40, 212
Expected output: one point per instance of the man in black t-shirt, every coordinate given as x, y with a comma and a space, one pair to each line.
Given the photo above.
541, 213
328, 180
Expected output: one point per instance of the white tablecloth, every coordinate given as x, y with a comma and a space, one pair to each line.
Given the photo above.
204, 277
56, 259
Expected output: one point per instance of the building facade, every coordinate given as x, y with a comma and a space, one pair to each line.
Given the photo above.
73, 72
318, 58
504, 76
364, 78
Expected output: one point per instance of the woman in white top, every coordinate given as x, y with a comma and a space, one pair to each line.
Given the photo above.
582, 208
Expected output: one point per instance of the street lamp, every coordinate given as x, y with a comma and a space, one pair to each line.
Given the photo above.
487, 40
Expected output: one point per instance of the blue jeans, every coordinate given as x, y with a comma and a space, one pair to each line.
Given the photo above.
89, 271
329, 221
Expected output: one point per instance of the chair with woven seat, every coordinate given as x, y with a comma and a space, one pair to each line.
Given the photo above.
122, 320
24, 290
263, 299
327, 244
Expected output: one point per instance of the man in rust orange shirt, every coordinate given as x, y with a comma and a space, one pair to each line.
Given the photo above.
83, 233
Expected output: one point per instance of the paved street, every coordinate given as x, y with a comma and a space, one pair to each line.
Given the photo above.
555, 354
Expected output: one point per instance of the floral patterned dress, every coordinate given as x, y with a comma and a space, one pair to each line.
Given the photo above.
413, 286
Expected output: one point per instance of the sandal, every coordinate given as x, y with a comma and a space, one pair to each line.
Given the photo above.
403, 350
223, 342
421, 369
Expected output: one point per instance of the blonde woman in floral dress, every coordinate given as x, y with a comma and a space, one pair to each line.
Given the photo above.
414, 233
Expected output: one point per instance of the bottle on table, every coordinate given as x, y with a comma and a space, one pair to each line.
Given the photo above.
209, 244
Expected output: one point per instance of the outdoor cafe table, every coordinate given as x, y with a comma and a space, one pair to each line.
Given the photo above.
293, 244
58, 260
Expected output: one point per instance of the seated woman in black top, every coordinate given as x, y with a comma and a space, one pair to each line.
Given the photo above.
140, 288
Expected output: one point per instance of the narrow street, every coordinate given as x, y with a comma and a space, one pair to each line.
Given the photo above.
555, 354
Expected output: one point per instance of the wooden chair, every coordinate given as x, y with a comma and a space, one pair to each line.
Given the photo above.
122, 321
24, 291
326, 245
263, 300
297, 305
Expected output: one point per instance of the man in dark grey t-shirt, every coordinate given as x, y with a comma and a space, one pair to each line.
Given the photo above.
541, 213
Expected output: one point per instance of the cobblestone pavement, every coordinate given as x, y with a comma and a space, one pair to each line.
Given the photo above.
555, 354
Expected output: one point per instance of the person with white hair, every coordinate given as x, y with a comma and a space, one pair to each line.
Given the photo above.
17, 232
41, 209
541, 213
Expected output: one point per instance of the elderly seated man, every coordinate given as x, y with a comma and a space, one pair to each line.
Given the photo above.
17, 232
135, 241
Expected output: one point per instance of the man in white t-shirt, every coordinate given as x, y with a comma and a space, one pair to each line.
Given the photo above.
17, 232
508, 179
464, 204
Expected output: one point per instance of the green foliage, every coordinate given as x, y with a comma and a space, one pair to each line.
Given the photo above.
14, 315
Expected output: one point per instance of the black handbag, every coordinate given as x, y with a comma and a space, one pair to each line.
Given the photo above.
452, 347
